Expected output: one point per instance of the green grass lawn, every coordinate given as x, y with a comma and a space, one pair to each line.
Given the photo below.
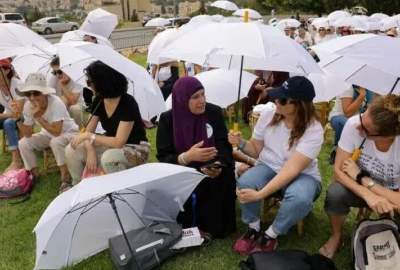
17, 242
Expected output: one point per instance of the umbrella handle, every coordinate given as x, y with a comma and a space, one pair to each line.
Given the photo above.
356, 154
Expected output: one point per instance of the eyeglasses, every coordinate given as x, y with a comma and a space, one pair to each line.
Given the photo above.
367, 133
33, 93
284, 101
321, 29
57, 72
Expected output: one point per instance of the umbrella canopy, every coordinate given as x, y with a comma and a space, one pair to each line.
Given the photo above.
160, 41
223, 44
100, 22
158, 22
327, 86
15, 36
217, 17
223, 4
78, 223
254, 15
78, 35
338, 14
391, 22
201, 19
378, 17
288, 23
220, 86
367, 60
73, 60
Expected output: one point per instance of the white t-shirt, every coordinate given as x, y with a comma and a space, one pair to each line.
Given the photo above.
276, 152
338, 108
56, 111
5, 100
384, 167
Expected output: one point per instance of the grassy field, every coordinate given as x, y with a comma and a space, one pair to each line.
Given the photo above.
17, 243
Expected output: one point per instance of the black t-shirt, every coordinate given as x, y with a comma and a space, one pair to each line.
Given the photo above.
127, 111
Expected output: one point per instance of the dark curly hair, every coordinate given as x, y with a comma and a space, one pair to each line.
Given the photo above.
106, 82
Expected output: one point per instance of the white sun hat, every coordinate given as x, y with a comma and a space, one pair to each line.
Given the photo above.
37, 82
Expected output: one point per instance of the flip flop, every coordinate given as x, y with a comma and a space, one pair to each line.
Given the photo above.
329, 254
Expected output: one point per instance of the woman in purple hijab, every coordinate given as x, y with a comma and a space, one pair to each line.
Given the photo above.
193, 133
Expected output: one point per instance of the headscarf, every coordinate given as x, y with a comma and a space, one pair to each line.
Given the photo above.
189, 128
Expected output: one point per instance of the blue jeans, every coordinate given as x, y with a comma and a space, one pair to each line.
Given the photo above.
10, 128
298, 197
337, 123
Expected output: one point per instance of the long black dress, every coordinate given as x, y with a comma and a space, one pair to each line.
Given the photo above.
215, 198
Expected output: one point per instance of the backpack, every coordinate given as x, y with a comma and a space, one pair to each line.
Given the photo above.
375, 245
15, 183
151, 245
286, 260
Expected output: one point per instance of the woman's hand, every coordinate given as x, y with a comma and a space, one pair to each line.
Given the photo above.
248, 195
91, 161
379, 204
196, 153
350, 168
234, 138
78, 139
16, 109
36, 111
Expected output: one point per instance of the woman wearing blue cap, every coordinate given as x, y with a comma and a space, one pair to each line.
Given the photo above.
286, 140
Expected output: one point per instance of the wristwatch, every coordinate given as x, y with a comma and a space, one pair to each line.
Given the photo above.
362, 174
370, 184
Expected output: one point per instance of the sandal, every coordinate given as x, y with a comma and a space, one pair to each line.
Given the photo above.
64, 187
324, 251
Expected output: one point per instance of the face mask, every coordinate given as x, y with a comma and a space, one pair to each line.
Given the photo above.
164, 74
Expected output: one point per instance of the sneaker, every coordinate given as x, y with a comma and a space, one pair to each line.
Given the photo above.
265, 244
246, 242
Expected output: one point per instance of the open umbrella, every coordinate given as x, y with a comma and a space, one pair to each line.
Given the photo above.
158, 22
378, 17
79, 222
220, 86
288, 23
226, 5
160, 41
100, 22
73, 61
254, 15
338, 14
78, 35
367, 60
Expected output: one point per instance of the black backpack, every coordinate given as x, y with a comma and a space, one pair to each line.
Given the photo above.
286, 260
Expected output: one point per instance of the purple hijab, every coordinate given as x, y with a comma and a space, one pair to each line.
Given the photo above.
189, 128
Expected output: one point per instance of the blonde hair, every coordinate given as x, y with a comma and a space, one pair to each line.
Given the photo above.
385, 115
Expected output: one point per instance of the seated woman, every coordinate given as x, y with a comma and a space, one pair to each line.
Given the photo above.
45, 109
349, 103
374, 179
193, 134
12, 104
124, 145
286, 140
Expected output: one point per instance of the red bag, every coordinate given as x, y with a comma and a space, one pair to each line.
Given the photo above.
15, 183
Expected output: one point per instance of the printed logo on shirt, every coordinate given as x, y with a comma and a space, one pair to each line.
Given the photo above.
210, 130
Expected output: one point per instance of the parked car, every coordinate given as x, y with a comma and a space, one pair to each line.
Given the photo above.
50, 25
12, 18
179, 21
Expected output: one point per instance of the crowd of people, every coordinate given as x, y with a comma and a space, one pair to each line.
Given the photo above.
281, 155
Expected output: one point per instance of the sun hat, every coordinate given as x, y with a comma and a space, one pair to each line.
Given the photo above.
36, 82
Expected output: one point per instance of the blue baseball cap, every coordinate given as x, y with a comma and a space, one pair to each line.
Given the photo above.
296, 88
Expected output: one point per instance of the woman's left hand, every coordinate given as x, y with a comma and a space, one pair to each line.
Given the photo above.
248, 195
350, 168
211, 172
78, 139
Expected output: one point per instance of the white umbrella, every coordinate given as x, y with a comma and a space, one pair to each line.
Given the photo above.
160, 41
223, 4
252, 13
367, 60
338, 14
345, 22
321, 22
288, 23
158, 22
79, 222
223, 45
391, 22
217, 17
74, 60
220, 86
100, 22
378, 17
327, 86
78, 35
15, 36
201, 19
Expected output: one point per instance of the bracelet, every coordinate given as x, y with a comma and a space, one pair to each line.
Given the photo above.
362, 174
242, 144
181, 159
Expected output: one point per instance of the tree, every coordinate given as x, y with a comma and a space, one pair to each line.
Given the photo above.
123, 9
163, 11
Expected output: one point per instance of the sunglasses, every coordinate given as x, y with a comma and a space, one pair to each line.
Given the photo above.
33, 93
284, 101
57, 72
365, 130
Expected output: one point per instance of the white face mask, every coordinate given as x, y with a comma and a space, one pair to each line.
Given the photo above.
164, 74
